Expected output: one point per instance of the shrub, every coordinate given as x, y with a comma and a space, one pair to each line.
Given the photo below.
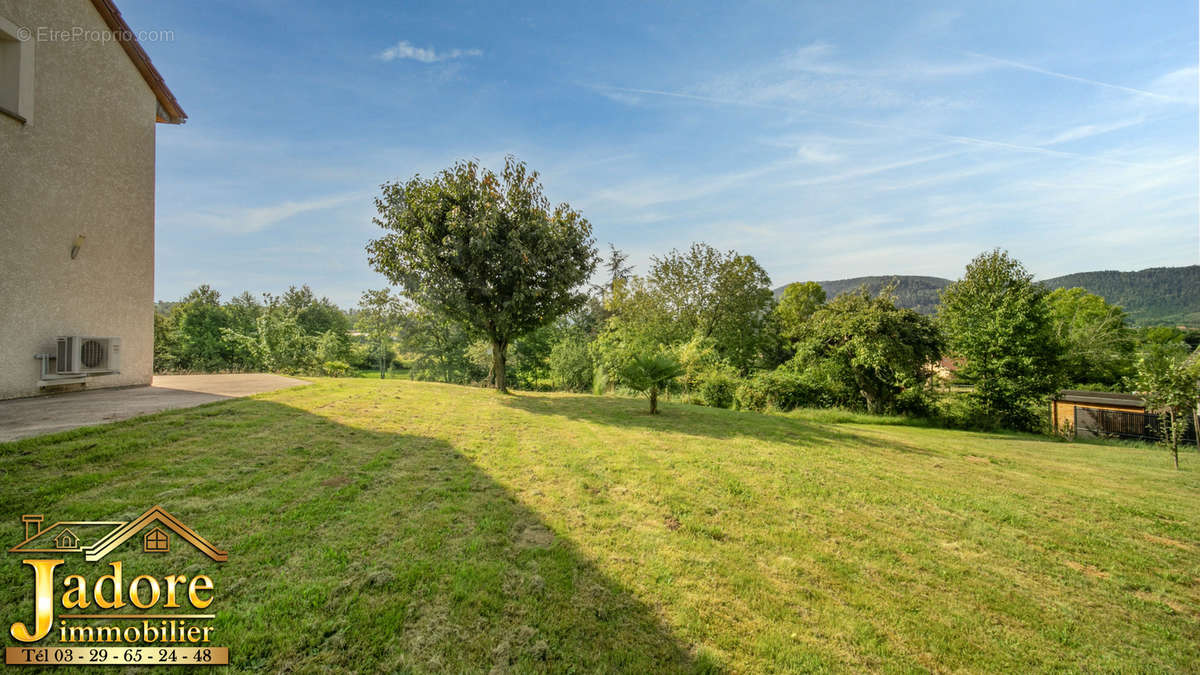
697, 357
957, 411
571, 364
826, 381
335, 368
916, 401
361, 357
750, 397
333, 346
779, 390
601, 382
716, 387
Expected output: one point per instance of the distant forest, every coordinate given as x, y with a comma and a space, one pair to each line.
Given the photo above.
1155, 296
1152, 297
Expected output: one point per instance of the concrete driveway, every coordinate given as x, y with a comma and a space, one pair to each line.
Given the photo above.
25, 417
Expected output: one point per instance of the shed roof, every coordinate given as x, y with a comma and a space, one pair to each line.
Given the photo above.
169, 110
1108, 398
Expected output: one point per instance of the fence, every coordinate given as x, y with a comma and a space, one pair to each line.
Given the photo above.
1121, 424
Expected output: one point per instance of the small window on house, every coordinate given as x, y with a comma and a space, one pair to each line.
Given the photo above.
16, 71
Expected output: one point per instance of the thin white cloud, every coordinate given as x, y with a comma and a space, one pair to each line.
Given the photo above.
620, 97
1075, 78
953, 138
813, 58
863, 171
1179, 84
407, 50
817, 59
1088, 130
258, 218
817, 154
643, 194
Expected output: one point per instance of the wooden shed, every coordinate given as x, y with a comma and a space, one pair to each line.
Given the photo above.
1069, 405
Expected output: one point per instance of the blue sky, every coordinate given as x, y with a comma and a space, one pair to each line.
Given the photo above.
828, 140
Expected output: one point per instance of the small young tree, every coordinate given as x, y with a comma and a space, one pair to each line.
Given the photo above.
379, 314
650, 375
1168, 377
486, 250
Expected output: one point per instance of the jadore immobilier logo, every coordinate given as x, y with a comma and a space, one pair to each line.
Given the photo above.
112, 592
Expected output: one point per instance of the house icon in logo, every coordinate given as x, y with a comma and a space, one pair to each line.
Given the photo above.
66, 540
156, 527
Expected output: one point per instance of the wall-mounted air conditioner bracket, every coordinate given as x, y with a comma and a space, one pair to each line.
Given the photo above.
50, 379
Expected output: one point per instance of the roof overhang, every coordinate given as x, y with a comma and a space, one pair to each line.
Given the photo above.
169, 110
1107, 398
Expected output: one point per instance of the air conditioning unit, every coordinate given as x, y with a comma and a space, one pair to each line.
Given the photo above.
78, 354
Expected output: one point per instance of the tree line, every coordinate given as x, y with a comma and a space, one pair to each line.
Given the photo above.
295, 332
491, 287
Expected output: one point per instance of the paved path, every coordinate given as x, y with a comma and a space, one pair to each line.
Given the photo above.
25, 417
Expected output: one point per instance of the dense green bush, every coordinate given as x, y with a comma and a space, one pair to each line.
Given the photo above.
958, 412
333, 345
571, 365
777, 390
601, 382
293, 333
750, 397
698, 357
916, 401
335, 368
831, 386
715, 388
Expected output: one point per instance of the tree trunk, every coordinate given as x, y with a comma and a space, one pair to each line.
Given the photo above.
499, 363
1196, 424
1174, 439
871, 405
654, 400
382, 355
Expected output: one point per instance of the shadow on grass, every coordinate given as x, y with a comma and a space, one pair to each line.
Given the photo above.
688, 419
349, 549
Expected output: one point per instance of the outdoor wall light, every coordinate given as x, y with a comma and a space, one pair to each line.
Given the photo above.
75, 247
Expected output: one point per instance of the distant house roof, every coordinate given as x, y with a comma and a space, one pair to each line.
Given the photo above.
951, 363
169, 110
1101, 398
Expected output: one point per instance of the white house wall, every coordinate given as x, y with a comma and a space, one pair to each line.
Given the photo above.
82, 165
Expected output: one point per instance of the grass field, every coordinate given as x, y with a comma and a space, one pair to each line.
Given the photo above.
395, 525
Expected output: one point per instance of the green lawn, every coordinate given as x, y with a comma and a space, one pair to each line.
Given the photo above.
397, 525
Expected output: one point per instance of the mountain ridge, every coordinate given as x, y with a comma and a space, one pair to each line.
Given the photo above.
1151, 296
